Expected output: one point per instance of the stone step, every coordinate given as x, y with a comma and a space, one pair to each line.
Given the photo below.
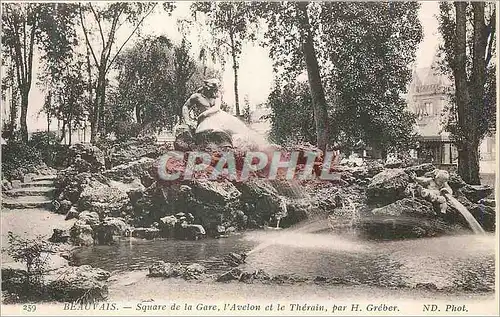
30, 191
27, 202
41, 183
44, 178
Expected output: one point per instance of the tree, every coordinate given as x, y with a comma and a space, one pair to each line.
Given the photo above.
291, 37
103, 55
154, 80
27, 25
366, 49
362, 52
288, 124
230, 24
468, 31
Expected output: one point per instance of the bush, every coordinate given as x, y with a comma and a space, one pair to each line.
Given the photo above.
34, 254
18, 159
48, 145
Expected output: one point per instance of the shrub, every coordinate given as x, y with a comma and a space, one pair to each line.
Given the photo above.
34, 254
18, 159
48, 145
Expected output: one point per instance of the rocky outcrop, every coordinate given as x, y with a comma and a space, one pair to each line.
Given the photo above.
81, 234
132, 150
167, 270
104, 200
387, 186
141, 169
64, 283
475, 193
90, 154
406, 218
83, 283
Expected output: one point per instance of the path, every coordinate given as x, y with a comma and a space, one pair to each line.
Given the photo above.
26, 211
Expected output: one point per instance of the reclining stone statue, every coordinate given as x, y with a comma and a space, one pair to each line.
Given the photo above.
205, 123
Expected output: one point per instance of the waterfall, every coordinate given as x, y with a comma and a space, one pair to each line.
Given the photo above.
473, 224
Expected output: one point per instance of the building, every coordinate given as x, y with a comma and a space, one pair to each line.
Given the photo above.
428, 99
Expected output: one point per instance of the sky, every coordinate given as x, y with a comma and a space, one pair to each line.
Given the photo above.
255, 73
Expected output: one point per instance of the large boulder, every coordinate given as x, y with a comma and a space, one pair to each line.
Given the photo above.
132, 150
89, 218
140, 169
105, 200
475, 193
81, 234
83, 283
214, 191
110, 228
146, 233
70, 184
406, 218
406, 207
387, 186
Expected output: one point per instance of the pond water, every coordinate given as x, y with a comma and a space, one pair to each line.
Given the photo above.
465, 262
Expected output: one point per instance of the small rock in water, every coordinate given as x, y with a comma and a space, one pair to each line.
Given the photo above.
59, 236
233, 275
235, 259
193, 271
72, 213
161, 269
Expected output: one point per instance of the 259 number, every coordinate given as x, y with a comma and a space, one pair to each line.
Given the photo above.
30, 308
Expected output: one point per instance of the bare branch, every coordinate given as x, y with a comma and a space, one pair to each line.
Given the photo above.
131, 34
99, 24
30, 58
86, 36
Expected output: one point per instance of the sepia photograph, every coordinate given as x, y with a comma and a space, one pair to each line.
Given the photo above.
249, 158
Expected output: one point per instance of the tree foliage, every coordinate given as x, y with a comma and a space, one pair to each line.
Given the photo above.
105, 20
364, 50
154, 80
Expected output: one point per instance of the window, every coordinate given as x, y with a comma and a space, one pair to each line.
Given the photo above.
428, 109
424, 110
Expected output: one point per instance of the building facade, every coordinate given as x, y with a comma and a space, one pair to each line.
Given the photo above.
428, 99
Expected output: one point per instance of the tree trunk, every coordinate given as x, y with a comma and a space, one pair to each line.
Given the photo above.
24, 115
69, 132
235, 71
468, 163
101, 97
466, 142
314, 77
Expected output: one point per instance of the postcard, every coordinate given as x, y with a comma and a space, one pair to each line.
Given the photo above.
249, 158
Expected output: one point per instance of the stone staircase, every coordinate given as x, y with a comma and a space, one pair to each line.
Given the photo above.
36, 192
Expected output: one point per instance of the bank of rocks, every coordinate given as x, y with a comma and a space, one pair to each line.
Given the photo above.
58, 282
396, 208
